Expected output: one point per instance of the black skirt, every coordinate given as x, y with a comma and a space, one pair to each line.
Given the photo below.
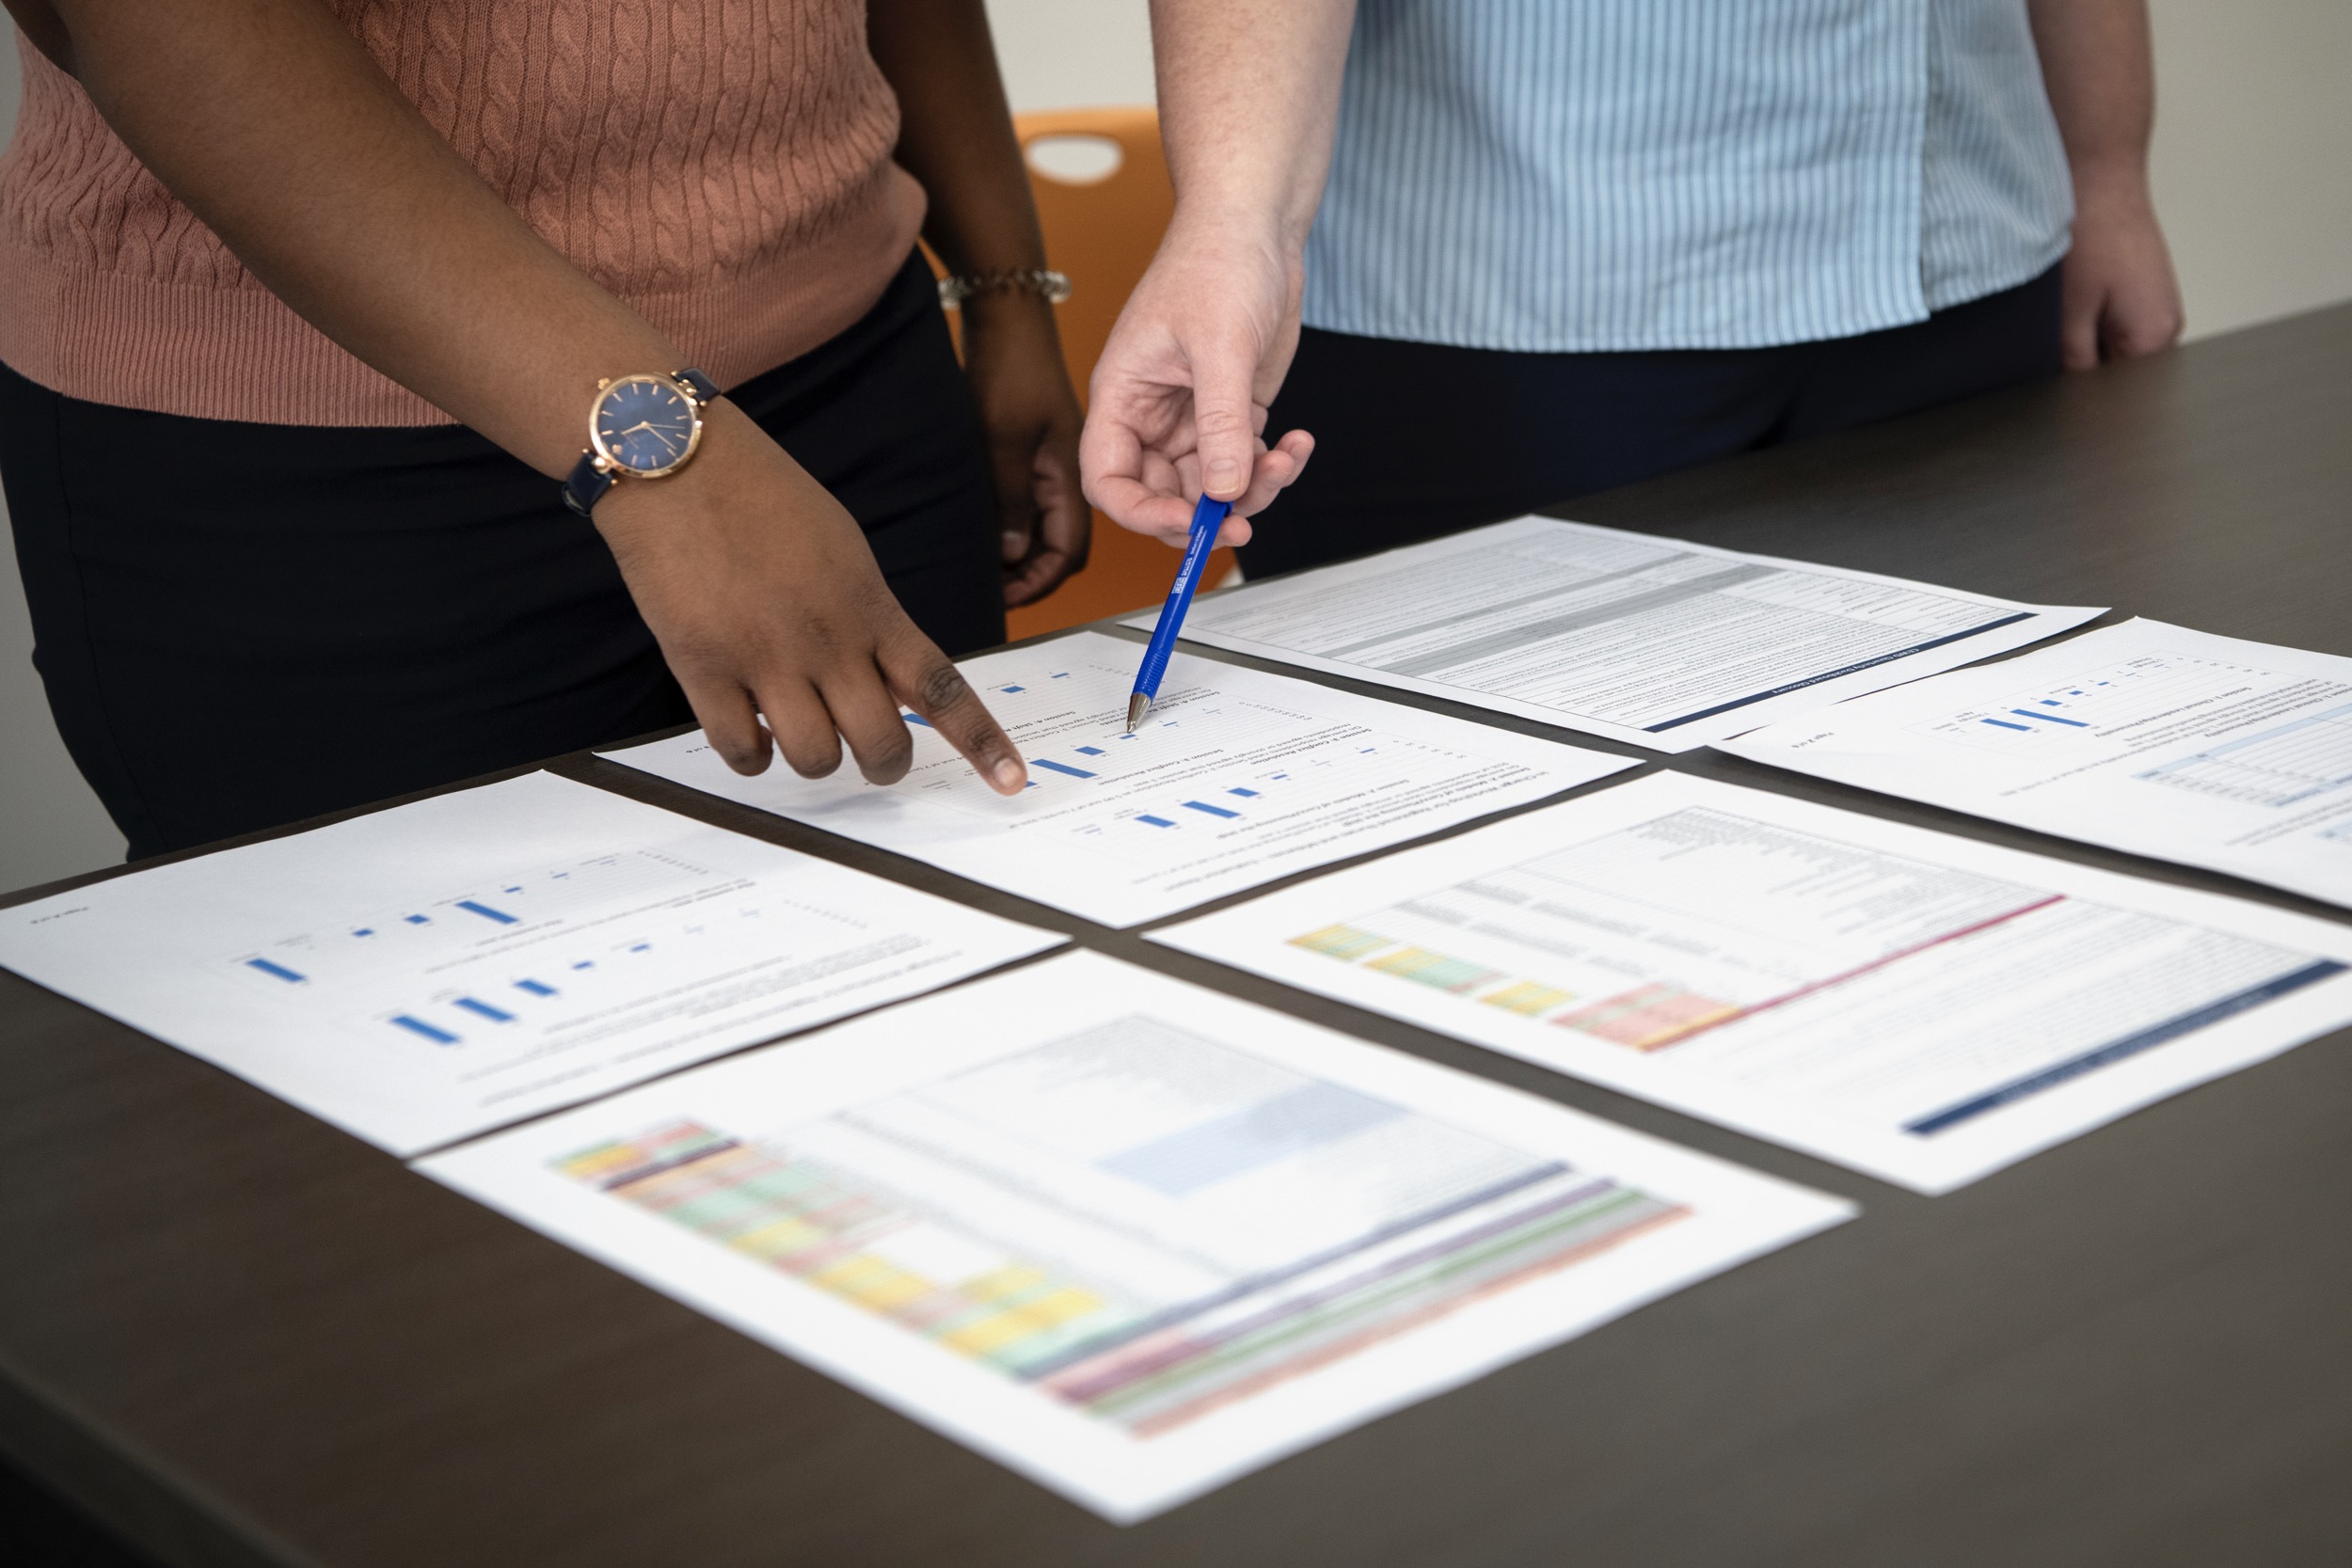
241, 625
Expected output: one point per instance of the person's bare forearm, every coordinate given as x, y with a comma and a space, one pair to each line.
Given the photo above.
955, 132
269, 120
1249, 100
2099, 69
1249, 95
2120, 297
956, 137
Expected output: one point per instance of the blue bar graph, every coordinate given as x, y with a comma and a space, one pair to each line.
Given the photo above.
1156, 821
418, 920
1245, 794
419, 1027
1090, 750
279, 970
471, 906
1213, 811
2048, 718
1012, 688
1059, 767
2005, 724
482, 1009
534, 988
916, 719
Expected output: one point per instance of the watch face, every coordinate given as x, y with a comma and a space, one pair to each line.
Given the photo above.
645, 425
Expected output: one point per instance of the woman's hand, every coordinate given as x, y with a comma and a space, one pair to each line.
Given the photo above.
1029, 415
768, 605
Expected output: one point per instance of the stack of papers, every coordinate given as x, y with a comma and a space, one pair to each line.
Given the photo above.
1134, 1238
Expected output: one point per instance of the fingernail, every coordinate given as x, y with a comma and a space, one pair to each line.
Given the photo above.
1224, 474
1016, 544
1008, 775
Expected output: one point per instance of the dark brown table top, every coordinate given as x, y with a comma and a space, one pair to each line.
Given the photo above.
243, 1337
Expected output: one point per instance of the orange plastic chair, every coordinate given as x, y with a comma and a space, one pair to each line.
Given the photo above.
1102, 233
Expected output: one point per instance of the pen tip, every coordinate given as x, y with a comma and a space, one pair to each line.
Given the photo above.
1137, 706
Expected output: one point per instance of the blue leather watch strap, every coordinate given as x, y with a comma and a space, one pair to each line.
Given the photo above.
585, 484
703, 389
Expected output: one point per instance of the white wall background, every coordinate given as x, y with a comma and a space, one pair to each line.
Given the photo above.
2253, 179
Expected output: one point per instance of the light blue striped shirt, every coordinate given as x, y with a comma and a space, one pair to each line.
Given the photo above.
1550, 175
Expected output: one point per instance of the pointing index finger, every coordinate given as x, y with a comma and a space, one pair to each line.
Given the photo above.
946, 700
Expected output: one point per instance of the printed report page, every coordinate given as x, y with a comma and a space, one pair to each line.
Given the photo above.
1919, 1006
426, 973
1650, 640
2209, 751
1127, 1236
1237, 777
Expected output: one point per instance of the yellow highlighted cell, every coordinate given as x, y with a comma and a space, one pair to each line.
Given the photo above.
789, 1234
1341, 941
998, 1284
1526, 996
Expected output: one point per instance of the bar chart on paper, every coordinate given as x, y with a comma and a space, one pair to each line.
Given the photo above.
2144, 736
2276, 766
1919, 1006
487, 970
1236, 777
430, 971
1131, 1237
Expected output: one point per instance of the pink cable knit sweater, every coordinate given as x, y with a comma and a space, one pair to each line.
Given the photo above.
722, 165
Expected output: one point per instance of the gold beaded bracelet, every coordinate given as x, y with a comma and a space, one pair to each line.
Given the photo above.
1052, 287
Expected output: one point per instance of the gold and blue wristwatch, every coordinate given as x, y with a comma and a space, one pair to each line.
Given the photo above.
643, 426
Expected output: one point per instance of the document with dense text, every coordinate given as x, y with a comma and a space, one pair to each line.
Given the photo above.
1916, 1005
2209, 751
438, 969
1637, 638
1126, 1236
1236, 778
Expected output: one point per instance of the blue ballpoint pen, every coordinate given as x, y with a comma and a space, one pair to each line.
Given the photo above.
1207, 519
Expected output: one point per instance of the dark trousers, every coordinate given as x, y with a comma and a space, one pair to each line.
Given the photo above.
1417, 440
243, 625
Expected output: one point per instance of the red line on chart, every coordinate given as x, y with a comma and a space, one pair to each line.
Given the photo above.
1879, 962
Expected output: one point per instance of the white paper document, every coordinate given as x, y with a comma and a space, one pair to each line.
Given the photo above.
1916, 1005
1126, 1236
1650, 640
1236, 778
441, 968
2208, 751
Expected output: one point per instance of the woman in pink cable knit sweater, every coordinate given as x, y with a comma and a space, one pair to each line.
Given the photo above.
309, 308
